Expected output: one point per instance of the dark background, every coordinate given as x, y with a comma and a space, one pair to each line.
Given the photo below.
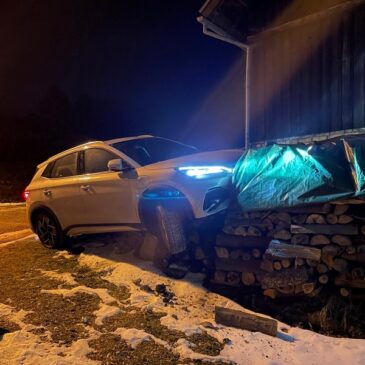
73, 71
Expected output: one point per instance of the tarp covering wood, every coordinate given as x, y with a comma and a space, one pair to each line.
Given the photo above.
279, 176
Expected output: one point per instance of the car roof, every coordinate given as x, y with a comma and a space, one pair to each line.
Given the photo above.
88, 145
116, 140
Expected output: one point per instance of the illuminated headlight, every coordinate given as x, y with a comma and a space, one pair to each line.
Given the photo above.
200, 172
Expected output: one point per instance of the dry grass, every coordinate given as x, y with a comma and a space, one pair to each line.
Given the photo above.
12, 218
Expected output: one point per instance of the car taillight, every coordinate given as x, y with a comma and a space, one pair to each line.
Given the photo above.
25, 194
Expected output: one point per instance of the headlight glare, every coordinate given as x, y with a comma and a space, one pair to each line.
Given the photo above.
200, 172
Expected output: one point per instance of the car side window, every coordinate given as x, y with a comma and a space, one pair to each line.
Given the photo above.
65, 166
48, 170
96, 160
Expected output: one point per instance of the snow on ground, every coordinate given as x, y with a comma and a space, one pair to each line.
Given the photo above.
192, 312
9, 237
195, 307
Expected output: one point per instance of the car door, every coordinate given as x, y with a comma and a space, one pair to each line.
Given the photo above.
107, 195
61, 190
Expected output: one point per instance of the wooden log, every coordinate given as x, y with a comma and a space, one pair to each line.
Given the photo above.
299, 261
351, 250
248, 278
341, 209
341, 240
332, 250
271, 293
282, 234
315, 219
277, 265
266, 265
285, 251
327, 259
331, 229
285, 263
281, 218
288, 290
256, 253
300, 239
322, 268
311, 263
319, 239
356, 257
253, 232
340, 265
345, 219
238, 265
240, 231
346, 280
283, 278
230, 241
323, 279
233, 278
267, 224
246, 256
331, 218
299, 219
246, 320
308, 287
236, 254
358, 273
220, 276
221, 252
344, 292
363, 229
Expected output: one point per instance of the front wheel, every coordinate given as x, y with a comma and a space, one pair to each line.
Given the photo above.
49, 231
170, 253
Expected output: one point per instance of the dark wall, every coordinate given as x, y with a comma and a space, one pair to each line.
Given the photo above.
309, 77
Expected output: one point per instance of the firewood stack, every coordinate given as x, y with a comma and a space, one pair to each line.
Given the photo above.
296, 251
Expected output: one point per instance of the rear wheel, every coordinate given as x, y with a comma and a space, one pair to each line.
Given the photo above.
49, 231
170, 253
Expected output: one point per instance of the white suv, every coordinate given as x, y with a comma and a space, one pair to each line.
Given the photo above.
126, 184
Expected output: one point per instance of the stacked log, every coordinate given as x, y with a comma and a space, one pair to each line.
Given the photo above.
296, 251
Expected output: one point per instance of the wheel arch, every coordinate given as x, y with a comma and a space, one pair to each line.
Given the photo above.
39, 209
147, 205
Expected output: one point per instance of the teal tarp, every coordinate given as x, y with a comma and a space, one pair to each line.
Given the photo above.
279, 176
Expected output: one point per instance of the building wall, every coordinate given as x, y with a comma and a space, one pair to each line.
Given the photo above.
308, 77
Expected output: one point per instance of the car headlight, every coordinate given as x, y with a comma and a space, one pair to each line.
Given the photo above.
201, 172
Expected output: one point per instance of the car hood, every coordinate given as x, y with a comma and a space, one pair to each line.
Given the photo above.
221, 157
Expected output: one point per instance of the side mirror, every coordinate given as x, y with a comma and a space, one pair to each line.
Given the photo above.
115, 165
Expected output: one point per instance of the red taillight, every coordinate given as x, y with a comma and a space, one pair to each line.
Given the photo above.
25, 194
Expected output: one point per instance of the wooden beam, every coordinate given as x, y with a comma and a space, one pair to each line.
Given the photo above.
246, 320
281, 250
345, 229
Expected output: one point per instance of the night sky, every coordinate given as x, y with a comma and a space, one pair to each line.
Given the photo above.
71, 71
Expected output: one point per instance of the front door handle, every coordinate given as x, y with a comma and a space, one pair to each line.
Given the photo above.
85, 187
47, 192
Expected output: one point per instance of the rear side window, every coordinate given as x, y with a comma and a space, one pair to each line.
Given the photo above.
48, 170
96, 160
65, 166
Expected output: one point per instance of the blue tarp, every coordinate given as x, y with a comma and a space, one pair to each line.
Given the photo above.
279, 176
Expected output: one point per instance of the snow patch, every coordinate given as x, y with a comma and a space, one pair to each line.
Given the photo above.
104, 312
66, 277
102, 293
135, 337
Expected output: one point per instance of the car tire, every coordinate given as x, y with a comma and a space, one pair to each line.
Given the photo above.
173, 243
49, 231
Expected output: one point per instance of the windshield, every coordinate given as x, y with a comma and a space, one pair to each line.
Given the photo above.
146, 151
